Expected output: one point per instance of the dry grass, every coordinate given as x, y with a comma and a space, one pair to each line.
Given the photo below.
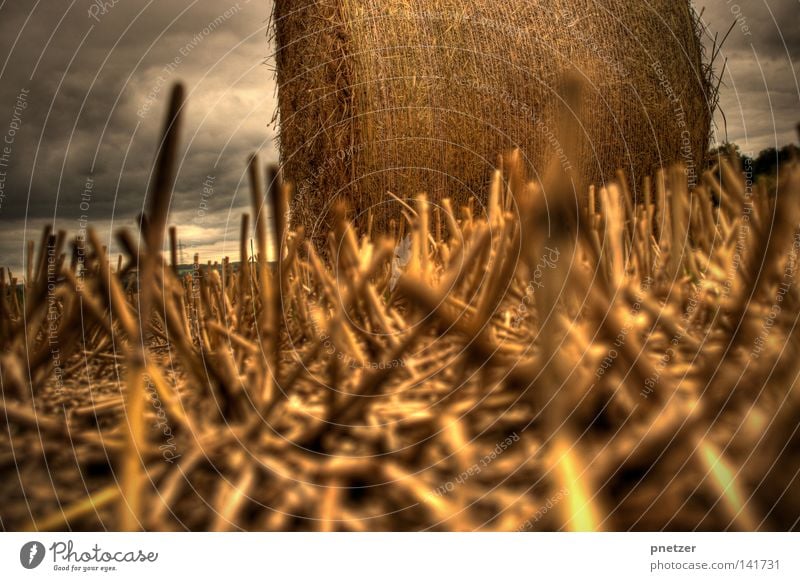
557, 362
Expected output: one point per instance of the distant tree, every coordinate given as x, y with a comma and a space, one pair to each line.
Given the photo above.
724, 150
768, 161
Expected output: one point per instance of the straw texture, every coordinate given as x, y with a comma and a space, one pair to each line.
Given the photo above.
402, 97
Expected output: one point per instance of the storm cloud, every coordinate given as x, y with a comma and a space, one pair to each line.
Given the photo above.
760, 94
94, 77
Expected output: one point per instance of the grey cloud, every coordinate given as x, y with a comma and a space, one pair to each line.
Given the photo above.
760, 93
95, 109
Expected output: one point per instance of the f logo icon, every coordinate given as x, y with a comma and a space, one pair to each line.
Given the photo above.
31, 554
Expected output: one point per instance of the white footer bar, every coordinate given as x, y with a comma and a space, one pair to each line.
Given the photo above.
400, 556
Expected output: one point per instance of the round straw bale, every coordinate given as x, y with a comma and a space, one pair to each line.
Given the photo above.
405, 97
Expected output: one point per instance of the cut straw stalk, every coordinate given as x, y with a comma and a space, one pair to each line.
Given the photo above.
133, 479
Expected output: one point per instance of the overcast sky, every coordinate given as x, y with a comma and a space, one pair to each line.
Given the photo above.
83, 85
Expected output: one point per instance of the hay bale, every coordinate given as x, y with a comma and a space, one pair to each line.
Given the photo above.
397, 96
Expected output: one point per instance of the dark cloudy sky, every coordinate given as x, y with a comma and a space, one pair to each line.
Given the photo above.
93, 74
